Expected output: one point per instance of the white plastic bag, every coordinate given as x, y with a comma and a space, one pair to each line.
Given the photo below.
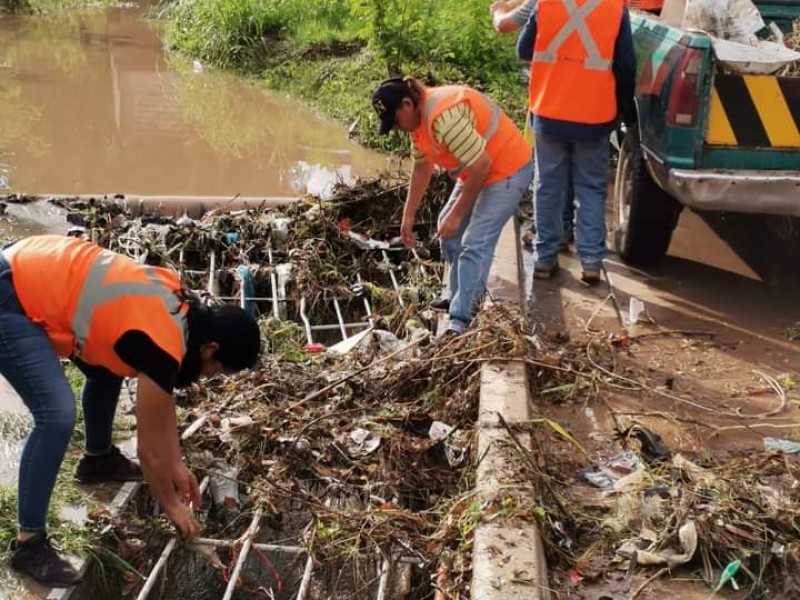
734, 20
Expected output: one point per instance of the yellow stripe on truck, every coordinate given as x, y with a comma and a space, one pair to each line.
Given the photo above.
754, 111
719, 128
773, 110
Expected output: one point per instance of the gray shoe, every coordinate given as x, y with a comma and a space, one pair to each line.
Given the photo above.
545, 273
37, 559
590, 276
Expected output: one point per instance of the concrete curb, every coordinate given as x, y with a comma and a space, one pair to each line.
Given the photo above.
194, 206
508, 558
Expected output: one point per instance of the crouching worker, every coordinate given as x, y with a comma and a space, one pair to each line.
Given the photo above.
115, 318
461, 130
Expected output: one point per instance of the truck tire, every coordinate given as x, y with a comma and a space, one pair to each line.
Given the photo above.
644, 215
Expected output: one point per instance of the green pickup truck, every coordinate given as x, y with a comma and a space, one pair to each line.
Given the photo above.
705, 139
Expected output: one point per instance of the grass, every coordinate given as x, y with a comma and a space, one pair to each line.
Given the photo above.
52, 5
332, 53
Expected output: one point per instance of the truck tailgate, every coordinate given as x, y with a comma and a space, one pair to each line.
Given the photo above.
757, 112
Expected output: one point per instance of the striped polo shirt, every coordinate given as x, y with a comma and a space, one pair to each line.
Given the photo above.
455, 130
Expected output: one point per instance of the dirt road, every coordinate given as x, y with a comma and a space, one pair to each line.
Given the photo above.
730, 292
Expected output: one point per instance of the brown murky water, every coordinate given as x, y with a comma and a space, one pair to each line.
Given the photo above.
90, 103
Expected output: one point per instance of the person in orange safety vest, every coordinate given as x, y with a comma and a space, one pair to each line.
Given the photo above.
458, 129
63, 297
582, 80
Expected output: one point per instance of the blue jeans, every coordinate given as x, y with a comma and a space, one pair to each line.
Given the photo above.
586, 165
471, 250
30, 364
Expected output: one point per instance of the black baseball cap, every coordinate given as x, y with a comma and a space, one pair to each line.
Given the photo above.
386, 100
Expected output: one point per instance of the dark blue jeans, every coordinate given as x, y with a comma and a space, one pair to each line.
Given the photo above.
30, 364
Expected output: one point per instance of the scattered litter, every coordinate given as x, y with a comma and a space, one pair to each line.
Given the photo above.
672, 557
351, 343
764, 58
785, 446
451, 441
365, 243
233, 426
223, 485
606, 474
653, 448
734, 20
727, 575
635, 309
361, 443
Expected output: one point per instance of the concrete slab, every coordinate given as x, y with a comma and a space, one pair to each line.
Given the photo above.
504, 280
497, 470
511, 558
508, 556
504, 391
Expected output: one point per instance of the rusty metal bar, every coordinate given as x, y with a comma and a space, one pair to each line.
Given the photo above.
162, 560
246, 545
273, 281
306, 322
339, 316
392, 276
383, 585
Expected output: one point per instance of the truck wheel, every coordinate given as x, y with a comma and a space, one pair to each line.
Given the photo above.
644, 215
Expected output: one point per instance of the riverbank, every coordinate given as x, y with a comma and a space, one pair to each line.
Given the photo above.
332, 53
21, 6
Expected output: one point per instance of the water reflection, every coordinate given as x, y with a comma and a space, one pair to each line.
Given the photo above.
89, 103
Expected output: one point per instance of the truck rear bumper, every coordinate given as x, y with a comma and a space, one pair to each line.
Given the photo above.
763, 192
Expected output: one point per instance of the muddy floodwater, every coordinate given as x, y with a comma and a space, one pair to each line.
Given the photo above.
90, 103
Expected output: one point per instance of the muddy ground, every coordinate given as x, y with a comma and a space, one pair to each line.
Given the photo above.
729, 291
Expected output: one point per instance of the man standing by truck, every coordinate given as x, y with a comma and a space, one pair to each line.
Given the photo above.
509, 16
582, 80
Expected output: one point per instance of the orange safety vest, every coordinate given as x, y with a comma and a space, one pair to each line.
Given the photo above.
505, 144
648, 5
86, 298
571, 71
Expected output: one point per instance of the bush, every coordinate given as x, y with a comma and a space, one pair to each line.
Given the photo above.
309, 48
228, 33
14, 5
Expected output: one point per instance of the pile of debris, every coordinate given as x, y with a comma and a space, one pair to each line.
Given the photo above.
362, 450
351, 456
792, 41
729, 517
320, 257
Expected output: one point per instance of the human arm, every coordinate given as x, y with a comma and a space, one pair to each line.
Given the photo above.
471, 186
421, 173
624, 68
508, 17
527, 37
159, 453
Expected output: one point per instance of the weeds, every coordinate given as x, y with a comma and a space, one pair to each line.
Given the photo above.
332, 53
15, 6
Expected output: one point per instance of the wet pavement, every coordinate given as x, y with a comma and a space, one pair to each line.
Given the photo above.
90, 103
730, 289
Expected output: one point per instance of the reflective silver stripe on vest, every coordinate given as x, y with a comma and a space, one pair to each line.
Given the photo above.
576, 22
94, 293
491, 130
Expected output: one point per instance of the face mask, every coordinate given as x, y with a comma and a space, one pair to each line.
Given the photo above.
190, 369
